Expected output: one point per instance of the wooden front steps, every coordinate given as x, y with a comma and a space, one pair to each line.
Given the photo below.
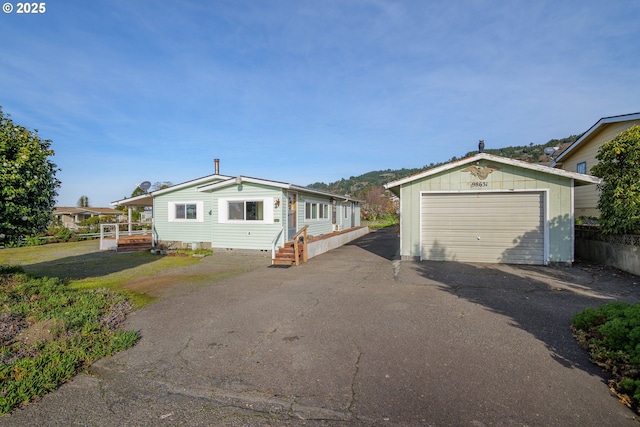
293, 252
286, 255
134, 243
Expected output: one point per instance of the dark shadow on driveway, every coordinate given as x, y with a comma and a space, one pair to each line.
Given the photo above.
540, 300
384, 242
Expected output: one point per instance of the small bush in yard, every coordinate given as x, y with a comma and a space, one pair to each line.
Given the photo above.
48, 333
611, 335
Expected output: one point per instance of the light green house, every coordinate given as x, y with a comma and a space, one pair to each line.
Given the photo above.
488, 209
219, 211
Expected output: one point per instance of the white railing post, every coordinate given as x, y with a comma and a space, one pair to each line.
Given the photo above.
129, 210
274, 242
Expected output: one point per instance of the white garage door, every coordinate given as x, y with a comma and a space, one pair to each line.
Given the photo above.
483, 227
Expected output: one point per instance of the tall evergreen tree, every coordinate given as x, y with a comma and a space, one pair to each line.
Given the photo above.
83, 202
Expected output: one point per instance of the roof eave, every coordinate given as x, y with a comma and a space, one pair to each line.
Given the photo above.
142, 200
586, 179
278, 184
592, 129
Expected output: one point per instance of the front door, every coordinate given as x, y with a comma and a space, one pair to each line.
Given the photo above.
292, 215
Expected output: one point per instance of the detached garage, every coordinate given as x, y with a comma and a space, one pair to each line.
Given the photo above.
488, 209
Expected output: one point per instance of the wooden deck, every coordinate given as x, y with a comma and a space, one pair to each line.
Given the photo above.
134, 243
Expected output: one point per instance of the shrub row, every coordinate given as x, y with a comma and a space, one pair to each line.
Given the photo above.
611, 335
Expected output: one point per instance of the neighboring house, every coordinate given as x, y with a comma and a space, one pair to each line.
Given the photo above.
71, 216
581, 156
488, 209
219, 211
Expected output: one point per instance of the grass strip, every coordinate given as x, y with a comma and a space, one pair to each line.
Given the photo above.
50, 332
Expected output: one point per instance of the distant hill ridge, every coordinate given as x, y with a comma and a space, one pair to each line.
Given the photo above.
358, 186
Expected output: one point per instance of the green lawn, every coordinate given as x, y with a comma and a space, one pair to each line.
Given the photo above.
82, 265
62, 306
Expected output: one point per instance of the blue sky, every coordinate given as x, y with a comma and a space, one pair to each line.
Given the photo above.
304, 91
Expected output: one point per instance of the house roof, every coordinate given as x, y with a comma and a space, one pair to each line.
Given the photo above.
579, 179
585, 136
66, 210
221, 181
141, 200
240, 179
147, 199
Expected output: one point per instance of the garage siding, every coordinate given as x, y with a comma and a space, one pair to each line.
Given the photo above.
501, 227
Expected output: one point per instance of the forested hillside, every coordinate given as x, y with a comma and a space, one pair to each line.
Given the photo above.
359, 186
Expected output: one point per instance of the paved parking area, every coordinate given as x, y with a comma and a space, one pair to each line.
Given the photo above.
353, 338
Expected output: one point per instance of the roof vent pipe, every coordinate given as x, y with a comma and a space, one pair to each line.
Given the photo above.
216, 163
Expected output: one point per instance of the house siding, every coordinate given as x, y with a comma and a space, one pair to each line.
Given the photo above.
248, 234
557, 204
586, 197
316, 226
340, 213
181, 233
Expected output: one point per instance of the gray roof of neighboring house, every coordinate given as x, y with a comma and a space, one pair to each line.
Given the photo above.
592, 129
62, 210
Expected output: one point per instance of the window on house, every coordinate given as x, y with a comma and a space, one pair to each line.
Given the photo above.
346, 212
246, 210
186, 211
314, 210
581, 167
311, 210
324, 211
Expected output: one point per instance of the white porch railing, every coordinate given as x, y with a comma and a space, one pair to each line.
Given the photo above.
111, 232
274, 242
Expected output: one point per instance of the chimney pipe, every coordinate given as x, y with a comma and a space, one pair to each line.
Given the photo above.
216, 163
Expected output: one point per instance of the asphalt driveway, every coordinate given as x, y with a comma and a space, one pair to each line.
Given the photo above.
353, 338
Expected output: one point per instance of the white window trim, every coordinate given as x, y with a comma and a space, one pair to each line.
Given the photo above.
223, 210
199, 211
319, 205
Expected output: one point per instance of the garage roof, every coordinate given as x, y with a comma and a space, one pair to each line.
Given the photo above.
579, 179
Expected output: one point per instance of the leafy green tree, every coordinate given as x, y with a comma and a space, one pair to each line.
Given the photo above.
619, 168
161, 185
92, 224
138, 192
83, 202
28, 185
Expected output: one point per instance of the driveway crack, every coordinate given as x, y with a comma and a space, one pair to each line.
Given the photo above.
356, 370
